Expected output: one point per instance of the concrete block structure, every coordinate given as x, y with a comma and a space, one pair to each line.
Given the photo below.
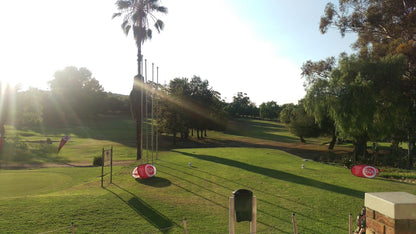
390, 213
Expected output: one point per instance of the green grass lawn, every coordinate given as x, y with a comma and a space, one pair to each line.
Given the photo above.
321, 195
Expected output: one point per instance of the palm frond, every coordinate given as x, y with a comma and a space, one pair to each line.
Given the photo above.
159, 25
162, 9
123, 4
127, 29
116, 15
148, 34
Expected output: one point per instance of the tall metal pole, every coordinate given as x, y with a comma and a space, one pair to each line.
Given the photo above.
153, 69
145, 121
157, 111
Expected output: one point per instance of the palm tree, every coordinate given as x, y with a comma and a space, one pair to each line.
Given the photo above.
137, 15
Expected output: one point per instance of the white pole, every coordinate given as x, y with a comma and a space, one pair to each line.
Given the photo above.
253, 222
145, 112
157, 111
151, 134
232, 217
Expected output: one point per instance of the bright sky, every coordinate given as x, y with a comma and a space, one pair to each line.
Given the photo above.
253, 46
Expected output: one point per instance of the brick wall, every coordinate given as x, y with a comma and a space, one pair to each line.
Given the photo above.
378, 223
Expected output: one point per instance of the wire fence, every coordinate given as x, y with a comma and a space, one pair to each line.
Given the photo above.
273, 229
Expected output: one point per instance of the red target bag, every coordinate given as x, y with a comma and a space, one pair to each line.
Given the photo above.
364, 171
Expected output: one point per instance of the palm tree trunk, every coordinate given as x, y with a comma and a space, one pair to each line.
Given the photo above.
136, 104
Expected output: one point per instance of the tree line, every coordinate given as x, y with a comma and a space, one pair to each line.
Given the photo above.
369, 95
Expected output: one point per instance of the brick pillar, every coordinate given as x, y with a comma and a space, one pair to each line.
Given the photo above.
390, 213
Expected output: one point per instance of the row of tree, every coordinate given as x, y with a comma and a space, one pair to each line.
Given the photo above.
370, 95
188, 105
74, 96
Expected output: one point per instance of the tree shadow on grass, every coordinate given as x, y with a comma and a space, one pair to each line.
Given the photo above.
259, 130
281, 175
202, 186
154, 217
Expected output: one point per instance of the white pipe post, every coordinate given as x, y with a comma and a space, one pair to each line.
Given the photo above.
157, 111
145, 106
151, 134
253, 222
232, 216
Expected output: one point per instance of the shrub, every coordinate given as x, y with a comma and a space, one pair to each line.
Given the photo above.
98, 161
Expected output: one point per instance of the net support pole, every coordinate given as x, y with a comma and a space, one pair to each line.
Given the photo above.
102, 169
157, 111
146, 117
151, 116
111, 165
350, 224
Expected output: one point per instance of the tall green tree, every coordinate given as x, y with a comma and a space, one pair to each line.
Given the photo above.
76, 94
299, 122
366, 101
191, 105
269, 110
137, 15
242, 106
384, 28
318, 97
30, 106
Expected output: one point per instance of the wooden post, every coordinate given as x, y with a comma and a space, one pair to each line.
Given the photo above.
185, 229
295, 228
232, 216
253, 222
350, 222
72, 228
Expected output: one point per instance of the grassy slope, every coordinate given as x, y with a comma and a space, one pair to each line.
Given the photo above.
321, 195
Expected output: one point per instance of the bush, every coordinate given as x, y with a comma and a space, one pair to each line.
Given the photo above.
98, 161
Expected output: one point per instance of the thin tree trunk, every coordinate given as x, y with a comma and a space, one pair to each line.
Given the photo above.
411, 146
333, 141
360, 149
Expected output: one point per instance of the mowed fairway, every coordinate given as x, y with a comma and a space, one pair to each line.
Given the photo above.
321, 195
